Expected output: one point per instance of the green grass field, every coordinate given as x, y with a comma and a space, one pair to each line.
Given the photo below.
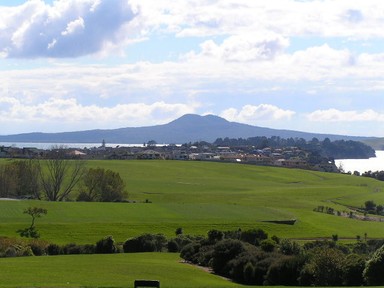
197, 196
118, 270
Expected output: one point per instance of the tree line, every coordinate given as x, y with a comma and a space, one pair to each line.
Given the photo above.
56, 178
339, 149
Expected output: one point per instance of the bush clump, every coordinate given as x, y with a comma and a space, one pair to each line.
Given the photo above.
106, 246
145, 243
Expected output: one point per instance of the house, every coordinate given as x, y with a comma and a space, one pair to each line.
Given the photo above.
258, 159
201, 156
150, 154
292, 163
234, 157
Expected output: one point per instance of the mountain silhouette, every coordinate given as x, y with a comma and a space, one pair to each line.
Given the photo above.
188, 128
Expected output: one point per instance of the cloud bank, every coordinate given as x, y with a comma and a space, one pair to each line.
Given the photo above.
71, 28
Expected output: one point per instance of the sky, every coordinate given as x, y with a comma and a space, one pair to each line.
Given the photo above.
308, 65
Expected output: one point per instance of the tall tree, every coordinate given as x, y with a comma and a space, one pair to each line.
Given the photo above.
27, 178
59, 176
102, 185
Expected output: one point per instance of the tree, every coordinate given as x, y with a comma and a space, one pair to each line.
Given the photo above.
91, 185
253, 236
106, 246
370, 205
59, 176
102, 185
223, 252
289, 247
179, 231
374, 268
19, 178
8, 182
353, 268
34, 212
27, 178
326, 265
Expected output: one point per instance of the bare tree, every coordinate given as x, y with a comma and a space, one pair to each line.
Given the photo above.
59, 176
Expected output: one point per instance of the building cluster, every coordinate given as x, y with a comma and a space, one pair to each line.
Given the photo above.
291, 157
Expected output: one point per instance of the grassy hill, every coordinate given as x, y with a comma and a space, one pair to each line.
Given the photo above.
199, 196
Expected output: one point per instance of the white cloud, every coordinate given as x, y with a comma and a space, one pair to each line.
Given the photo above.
359, 19
334, 115
68, 28
74, 26
66, 112
253, 114
244, 48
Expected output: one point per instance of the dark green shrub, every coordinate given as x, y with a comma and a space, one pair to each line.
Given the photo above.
233, 234
71, 248
261, 269
204, 256
132, 245
189, 252
215, 236
268, 245
173, 246
374, 269
106, 246
88, 249
11, 252
289, 247
84, 197
53, 249
223, 252
249, 273
183, 240
276, 239
285, 271
253, 236
307, 275
353, 268
237, 265
38, 247
375, 244
37, 250
327, 266
318, 243
179, 231
145, 243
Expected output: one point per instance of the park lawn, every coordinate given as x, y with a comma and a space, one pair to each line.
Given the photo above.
200, 196
112, 270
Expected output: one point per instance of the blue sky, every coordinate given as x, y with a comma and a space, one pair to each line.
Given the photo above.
70, 65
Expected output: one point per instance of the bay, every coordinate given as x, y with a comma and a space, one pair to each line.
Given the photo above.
363, 165
65, 145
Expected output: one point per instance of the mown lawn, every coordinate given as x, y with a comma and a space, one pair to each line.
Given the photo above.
118, 270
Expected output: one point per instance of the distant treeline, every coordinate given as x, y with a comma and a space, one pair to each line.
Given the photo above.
339, 149
379, 175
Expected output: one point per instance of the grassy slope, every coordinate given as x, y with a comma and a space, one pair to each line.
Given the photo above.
199, 196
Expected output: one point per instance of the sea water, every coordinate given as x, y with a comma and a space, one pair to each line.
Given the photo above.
363, 165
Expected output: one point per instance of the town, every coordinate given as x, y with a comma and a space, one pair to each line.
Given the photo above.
288, 157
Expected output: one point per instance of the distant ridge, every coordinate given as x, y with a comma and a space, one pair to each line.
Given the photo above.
188, 128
